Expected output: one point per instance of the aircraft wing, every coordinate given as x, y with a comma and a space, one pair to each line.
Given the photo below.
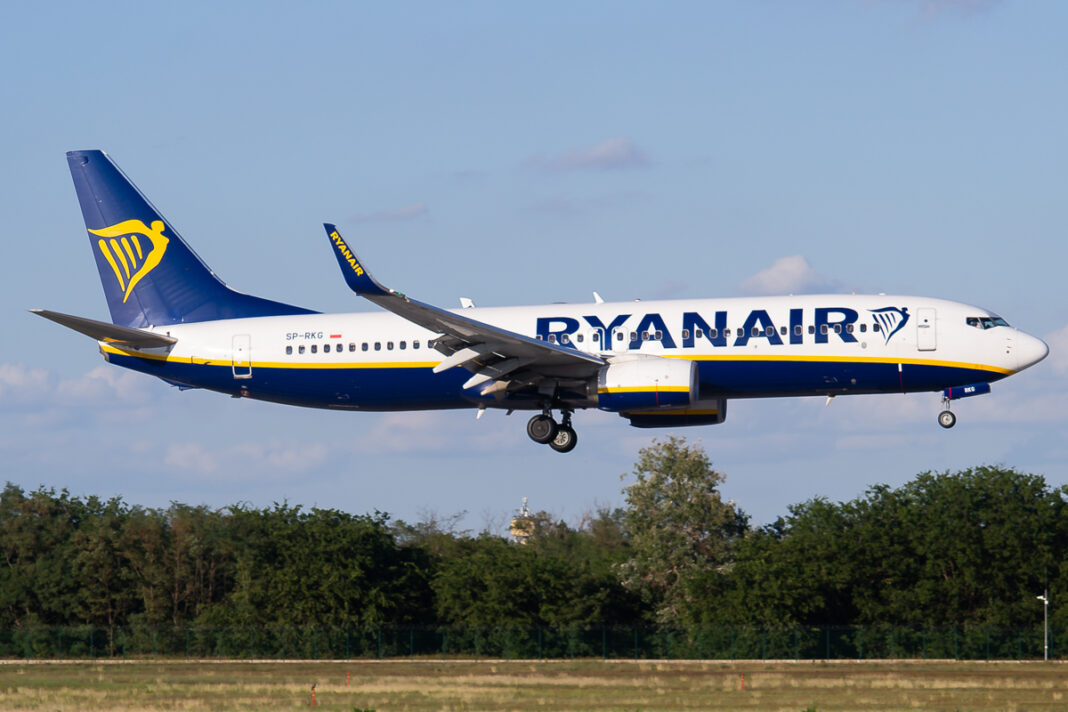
111, 333
493, 354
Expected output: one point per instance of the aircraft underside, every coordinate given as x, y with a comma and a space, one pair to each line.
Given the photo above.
397, 389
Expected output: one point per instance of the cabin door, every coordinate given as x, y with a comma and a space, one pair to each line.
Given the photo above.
926, 330
242, 358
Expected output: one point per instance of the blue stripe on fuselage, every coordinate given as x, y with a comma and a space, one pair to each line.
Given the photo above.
418, 388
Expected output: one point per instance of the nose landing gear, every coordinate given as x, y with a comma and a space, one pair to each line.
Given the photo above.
946, 418
559, 436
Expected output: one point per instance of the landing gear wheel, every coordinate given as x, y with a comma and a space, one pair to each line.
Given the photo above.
566, 439
542, 428
946, 419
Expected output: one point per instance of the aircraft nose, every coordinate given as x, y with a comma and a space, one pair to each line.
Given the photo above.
1029, 350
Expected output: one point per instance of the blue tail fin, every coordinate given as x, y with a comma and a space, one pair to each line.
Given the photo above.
150, 275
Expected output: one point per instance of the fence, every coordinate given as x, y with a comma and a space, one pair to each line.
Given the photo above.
722, 643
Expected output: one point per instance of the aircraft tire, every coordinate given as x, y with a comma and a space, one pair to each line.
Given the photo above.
566, 439
542, 428
946, 419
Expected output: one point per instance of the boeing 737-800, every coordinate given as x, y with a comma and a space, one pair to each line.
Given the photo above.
664, 363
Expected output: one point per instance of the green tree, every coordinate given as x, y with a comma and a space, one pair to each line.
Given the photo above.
680, 530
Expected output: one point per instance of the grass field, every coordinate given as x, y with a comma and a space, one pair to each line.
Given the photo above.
512, 685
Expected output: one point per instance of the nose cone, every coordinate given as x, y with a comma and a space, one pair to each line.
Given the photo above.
1029, 350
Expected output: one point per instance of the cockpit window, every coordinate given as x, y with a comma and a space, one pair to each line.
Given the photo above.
985, 322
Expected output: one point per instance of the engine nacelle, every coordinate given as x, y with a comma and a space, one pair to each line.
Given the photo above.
703, 412
647, 383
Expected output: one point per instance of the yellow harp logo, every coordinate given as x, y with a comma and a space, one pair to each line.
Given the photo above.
129, 258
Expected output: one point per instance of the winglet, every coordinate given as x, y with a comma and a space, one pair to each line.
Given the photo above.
357, 277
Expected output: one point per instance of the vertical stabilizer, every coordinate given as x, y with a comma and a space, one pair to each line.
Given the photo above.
149, 274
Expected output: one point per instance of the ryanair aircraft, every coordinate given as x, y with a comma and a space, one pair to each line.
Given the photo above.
658, 364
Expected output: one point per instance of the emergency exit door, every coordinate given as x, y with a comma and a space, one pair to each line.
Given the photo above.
242, 356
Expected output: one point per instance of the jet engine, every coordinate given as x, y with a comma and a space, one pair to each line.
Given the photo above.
648, 383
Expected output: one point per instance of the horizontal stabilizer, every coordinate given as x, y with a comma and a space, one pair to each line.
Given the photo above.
111, 333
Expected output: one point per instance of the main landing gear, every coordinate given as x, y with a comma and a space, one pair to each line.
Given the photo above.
559, 436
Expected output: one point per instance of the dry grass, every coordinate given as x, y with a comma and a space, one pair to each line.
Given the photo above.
555, 685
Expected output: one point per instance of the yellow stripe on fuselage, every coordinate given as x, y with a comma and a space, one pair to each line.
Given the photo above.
223, 360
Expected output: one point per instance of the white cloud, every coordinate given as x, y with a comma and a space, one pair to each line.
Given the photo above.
18, 381
611, 155
192, 457
247, 460
1058, 351
788, 275
442, 433
104, 384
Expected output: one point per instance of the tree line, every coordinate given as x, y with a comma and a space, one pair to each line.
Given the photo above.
968, 547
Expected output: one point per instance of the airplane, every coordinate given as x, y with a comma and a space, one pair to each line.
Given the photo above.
667, 363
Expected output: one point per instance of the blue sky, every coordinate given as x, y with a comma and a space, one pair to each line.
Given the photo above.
533, 153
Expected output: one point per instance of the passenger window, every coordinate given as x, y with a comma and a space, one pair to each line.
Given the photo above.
685, 333
811, 329
633, 336
659, 335
403, 345
849, 328
619, 335
579, 338
364, 346
552, 338
769, 331
314, 348
289, 350
727, 333
698, 332
876, 327
782, 331
389, 345
415, 344
713, 333
352, 346
326, 348
863, 328
300, 349
755, 331
378, 346
596, 336
823, 328
538, 337
565, 339
645, 336
797, 330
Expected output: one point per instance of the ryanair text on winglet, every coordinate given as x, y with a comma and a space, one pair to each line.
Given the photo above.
346, 253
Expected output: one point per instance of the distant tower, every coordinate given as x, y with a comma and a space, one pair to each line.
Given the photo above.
522, 524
